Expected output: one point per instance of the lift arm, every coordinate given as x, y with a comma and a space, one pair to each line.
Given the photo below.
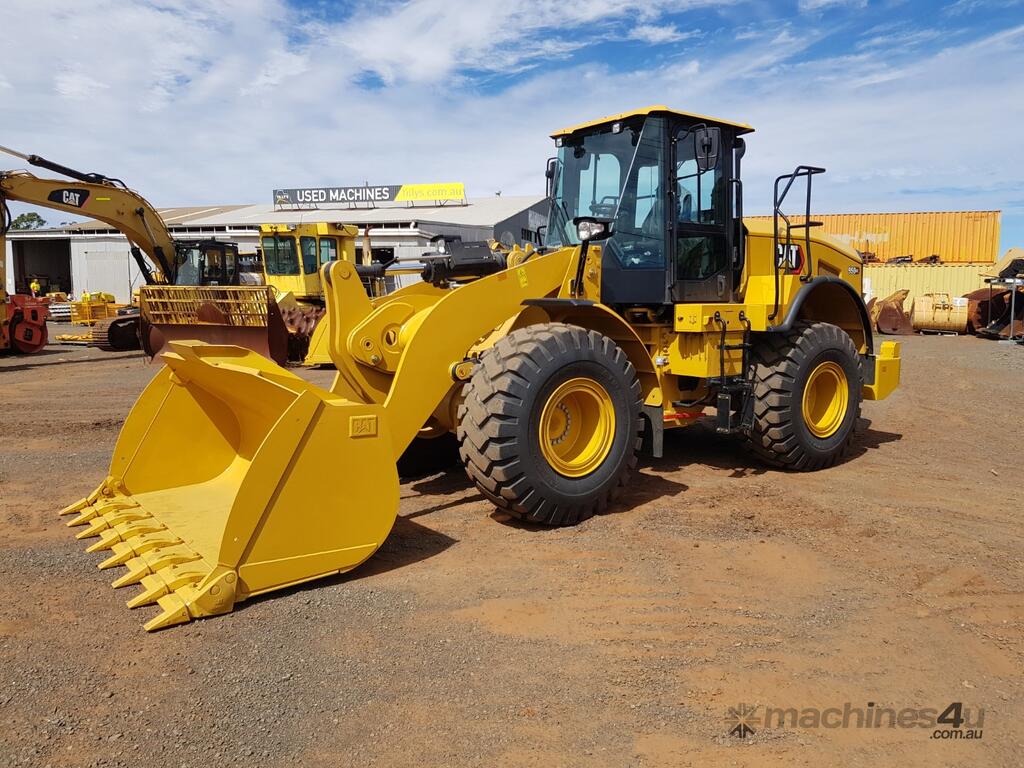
103, 198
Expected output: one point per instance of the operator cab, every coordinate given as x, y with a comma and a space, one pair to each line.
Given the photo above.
293, 254
207, 262
667, 183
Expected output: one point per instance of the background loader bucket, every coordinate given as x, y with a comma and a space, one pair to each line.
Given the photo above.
217, 485
244, 316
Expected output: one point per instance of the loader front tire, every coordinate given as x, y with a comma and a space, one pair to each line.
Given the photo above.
807, 395
550, 426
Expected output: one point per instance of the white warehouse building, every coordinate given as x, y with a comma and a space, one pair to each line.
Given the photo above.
90, 256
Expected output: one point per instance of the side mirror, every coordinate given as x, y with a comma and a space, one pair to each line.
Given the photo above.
549, 174
589, 229
708, 141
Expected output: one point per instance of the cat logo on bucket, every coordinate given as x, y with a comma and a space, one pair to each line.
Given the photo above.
362, 426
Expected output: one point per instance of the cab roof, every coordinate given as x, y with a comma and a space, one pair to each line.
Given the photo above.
741, 128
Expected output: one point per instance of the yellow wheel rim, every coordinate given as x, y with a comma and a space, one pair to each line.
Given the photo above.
826, 398
577, 427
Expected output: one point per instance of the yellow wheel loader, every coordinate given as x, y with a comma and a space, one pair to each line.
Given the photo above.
651, 303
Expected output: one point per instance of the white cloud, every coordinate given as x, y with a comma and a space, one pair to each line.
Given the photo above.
656, 34
427, 40
817, 5
902, 39
962, 7
221, 103
77, 85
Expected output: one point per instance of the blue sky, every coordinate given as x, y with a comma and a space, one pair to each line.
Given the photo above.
910, 105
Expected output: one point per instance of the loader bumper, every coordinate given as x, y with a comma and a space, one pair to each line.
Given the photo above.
885, 372
232, 477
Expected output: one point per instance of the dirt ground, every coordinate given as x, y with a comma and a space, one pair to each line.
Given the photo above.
895, 580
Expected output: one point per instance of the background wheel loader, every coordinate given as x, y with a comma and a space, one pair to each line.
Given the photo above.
651, 302
291, 257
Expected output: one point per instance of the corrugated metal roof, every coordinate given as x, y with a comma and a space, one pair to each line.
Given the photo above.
954, 236
173, 216
478, 212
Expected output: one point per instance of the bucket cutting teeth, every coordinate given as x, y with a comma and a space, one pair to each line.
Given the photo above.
101, 496
174, 610
151, 562
124, 532
96, 496
167, 580
100, 508
108, 520
126, 550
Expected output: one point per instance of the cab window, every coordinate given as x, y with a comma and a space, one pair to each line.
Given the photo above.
328, 249
700, 215
280, 256
215, 270
599, 186
699, 193
231, 265
309, 257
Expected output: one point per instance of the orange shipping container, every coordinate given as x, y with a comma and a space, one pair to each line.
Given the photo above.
954, 236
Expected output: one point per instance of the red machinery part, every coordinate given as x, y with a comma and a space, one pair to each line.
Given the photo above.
28, 323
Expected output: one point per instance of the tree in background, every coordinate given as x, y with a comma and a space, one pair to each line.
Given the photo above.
30, 220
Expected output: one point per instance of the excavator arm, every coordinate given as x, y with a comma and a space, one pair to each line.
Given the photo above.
102, 198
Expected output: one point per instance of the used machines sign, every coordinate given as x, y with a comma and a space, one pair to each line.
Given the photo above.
391, 193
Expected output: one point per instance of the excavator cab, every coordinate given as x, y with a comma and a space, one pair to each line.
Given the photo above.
207, 262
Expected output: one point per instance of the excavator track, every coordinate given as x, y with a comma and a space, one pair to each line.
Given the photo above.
116, 334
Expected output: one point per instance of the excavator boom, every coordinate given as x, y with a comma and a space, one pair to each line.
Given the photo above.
98, 197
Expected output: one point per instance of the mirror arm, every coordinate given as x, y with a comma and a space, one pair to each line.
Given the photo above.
580, 264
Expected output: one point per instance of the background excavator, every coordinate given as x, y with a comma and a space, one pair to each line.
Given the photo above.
652, 304
192, 287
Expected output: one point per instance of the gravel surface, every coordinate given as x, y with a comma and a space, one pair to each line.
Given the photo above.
470, 640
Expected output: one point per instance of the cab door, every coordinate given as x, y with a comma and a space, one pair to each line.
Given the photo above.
701, 240
310, 255
327, 248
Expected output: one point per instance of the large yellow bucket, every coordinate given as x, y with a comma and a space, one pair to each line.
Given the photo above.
217, 491
233, 476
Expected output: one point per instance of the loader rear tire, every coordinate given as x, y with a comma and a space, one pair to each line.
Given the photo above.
550, 426
807, 396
